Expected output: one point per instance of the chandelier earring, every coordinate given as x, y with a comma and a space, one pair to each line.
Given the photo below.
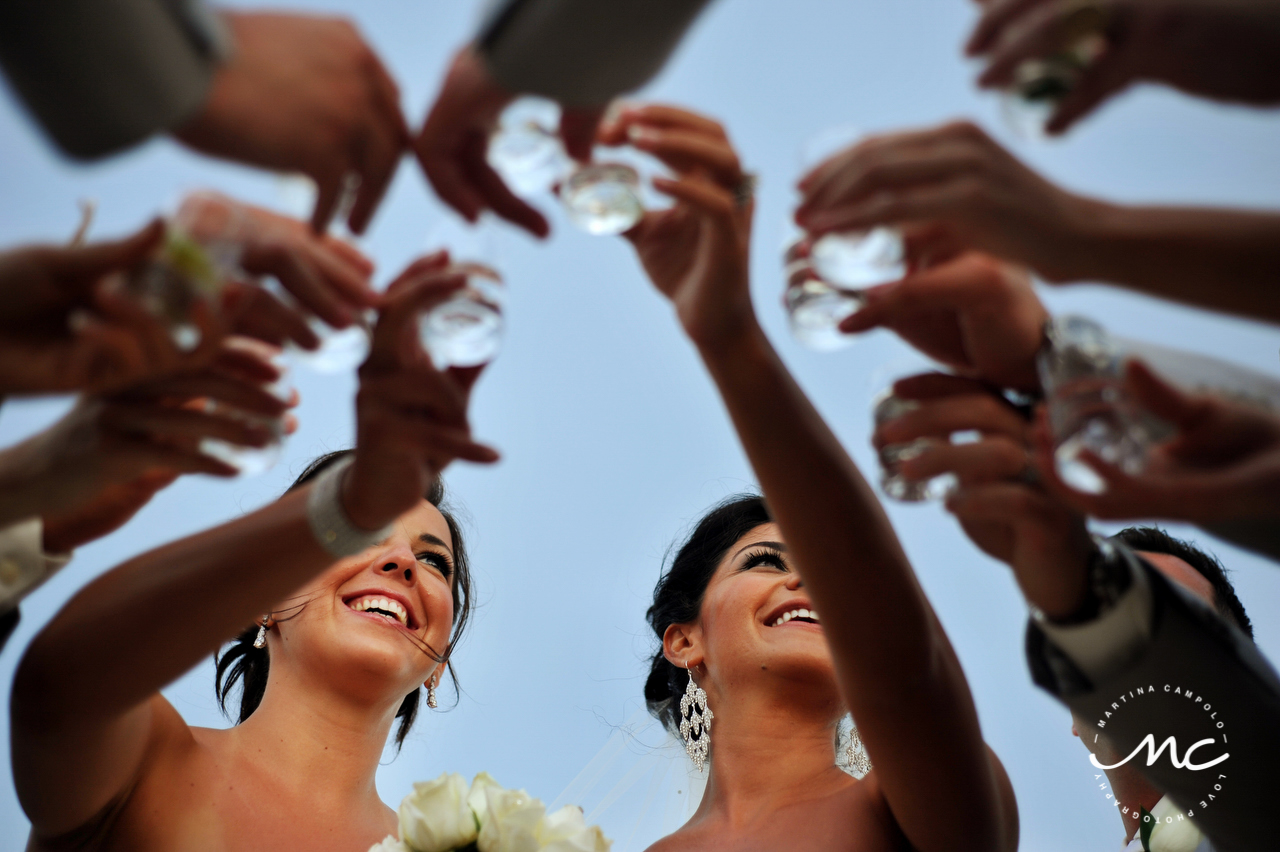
432, 702
695, 721
851, 754
260, 641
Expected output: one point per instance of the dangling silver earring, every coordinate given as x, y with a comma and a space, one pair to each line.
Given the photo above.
431, 696
851, 754
261, 640
695, 722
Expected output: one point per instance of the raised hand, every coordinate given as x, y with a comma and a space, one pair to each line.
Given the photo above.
1226, 51
454, 141
974, 313
305, 94
411, 418
64, 326
695, 252
1222, 465
327, 277
997, 501
93, 469
105, 513
959, 190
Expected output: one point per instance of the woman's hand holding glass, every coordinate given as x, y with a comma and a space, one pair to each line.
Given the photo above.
411, 418
953, 188
696, 251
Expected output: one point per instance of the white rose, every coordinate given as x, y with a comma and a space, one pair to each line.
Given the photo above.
389, 844
1181, 835
435, 817
510, 822
476, 798
566, 831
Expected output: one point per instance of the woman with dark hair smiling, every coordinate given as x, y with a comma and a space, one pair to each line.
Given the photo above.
102, 761
779, 615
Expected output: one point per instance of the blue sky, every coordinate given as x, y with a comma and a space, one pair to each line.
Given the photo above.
613, 439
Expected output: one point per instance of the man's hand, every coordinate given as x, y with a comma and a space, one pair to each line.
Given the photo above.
94, 463
997, 503
974, 313
454, 143
1222, 465
1224, 50
305, 94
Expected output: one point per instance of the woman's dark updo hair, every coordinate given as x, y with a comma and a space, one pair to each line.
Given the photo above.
244, 664
677, 599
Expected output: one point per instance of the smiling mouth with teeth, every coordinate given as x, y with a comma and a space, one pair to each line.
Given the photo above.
392, 610
806, 616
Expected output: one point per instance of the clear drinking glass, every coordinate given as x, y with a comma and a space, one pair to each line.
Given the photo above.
341, 349
1040, 85
825, 275
892, 482
466, 330
251, 461
815, 307
603, 198
600, 198
200, 251
525, 150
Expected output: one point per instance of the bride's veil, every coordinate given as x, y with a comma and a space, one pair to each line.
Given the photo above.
641, 785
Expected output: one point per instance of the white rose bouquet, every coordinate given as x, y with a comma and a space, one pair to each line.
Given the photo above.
447, 815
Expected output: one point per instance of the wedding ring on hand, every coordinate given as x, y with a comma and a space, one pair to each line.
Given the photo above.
745, 191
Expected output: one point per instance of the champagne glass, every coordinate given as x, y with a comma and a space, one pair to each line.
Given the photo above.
466, 329
598, 197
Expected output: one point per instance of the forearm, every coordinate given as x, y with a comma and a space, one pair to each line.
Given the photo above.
833, 521
1224, 260
896, 668
582, 53
100, 76
142, 625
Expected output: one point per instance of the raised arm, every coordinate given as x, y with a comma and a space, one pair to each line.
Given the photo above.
143, 624
955, 188
895, 666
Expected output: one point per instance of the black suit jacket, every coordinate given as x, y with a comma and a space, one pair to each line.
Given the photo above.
1191, 648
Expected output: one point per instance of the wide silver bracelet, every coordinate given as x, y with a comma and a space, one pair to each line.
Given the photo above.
329, 523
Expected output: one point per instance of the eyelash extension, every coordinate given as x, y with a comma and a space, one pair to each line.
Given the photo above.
765, 557
438, 560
